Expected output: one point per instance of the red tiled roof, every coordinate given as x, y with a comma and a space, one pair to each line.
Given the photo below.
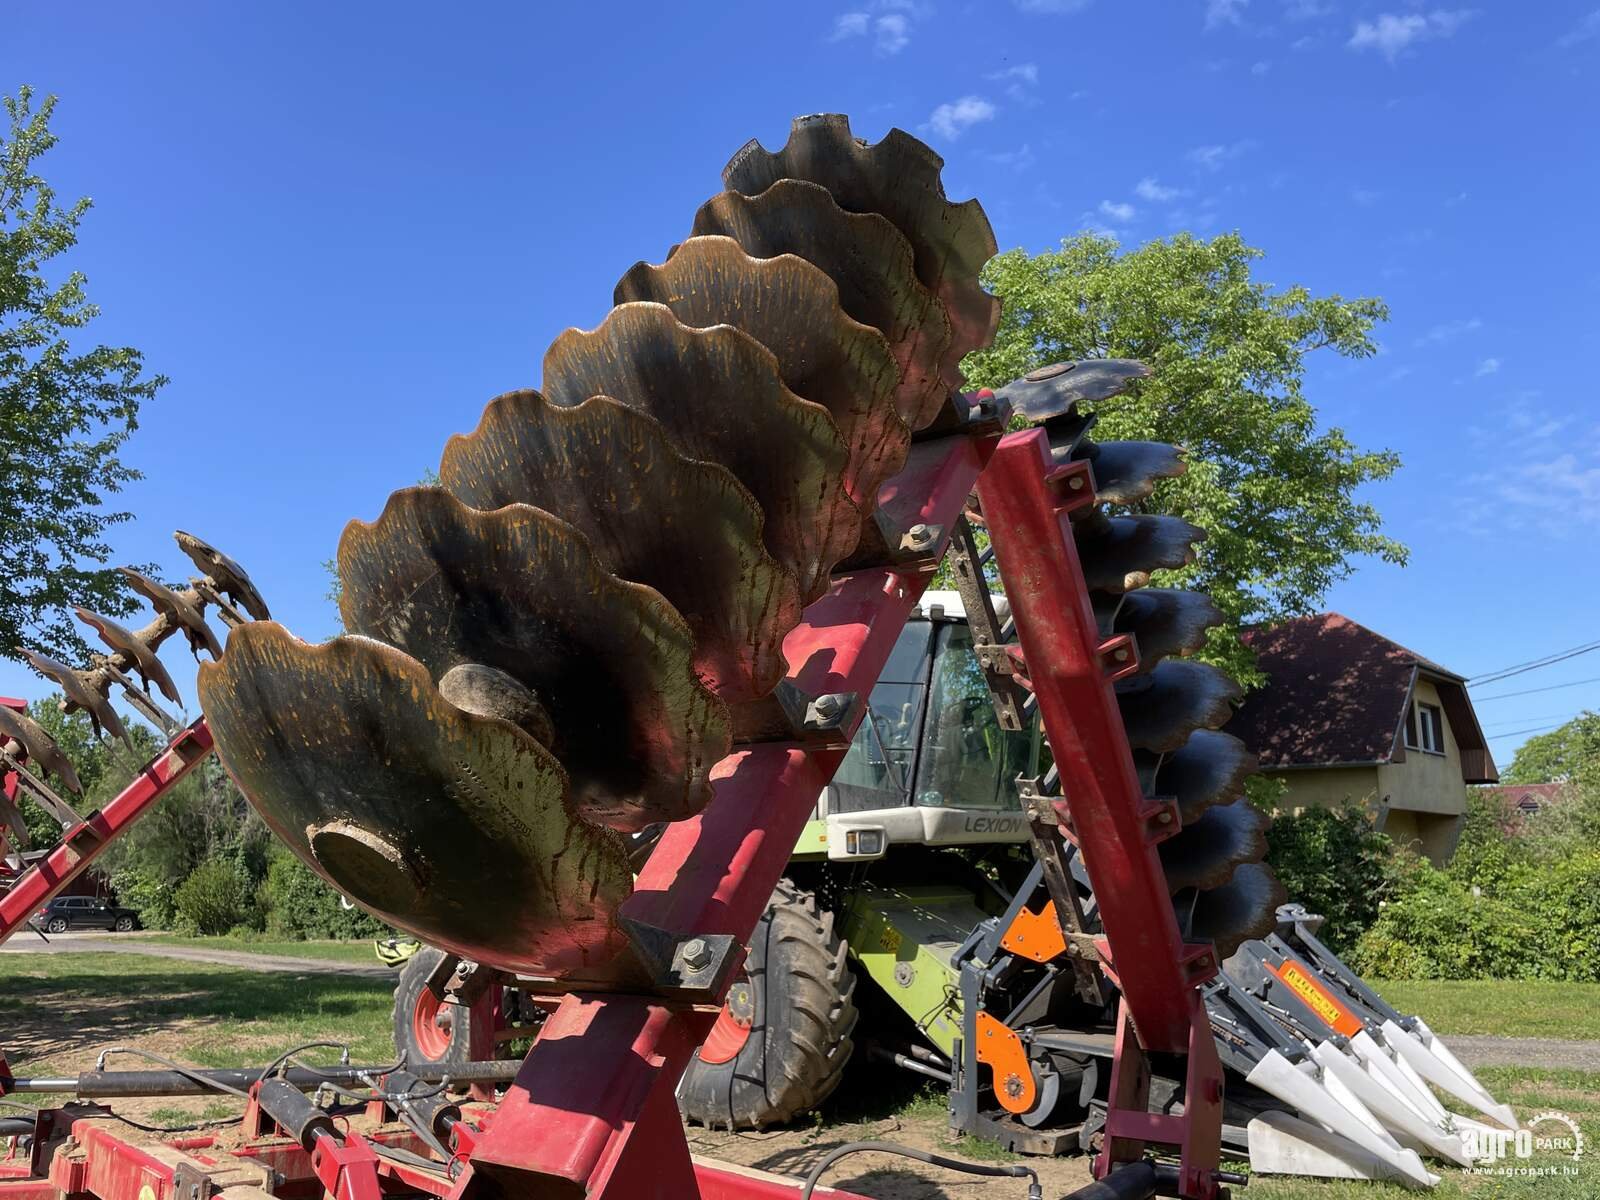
1542, 793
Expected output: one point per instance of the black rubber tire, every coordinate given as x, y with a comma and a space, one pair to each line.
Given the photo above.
124, 925
408, 992
56, 925
804, 1012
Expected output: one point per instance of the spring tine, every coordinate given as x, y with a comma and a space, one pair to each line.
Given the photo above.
870, 262
633, 504
140, 657
178, 609
1161, 709
38, 746
78, 693
792, 308
519, 591
1205, 853
407, 803
719, 396
224, 575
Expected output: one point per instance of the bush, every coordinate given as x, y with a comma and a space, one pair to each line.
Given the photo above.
1335, 863
148, 894
300, 905
216, 897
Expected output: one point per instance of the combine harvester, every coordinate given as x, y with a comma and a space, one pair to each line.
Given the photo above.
602, 674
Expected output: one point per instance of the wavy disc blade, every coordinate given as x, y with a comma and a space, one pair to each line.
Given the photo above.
1204, 854
899, 179
791, 308
870, 262
1210, 768
1161, 709
122, 641
610, 662
1127, 472
451, 826
1243, 908
719, 395
689, 529
38, 746
1119, 553
101, 714
1163, 621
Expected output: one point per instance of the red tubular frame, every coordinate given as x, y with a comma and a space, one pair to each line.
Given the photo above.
1026, 501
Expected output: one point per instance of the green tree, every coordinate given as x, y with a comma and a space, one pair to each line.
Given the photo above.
1276, 493
64, 413
1567, 753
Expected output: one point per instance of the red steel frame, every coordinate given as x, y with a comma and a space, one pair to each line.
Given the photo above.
592, 1112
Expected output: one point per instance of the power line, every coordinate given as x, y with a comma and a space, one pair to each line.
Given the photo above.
1519, 732
1554, 687
1562, 717
1534, 664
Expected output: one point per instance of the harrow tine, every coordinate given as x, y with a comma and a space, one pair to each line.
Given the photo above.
791, 308
79, 694
1162, 708
178, 609
634, 504
21, 735
1205, 853
897, 178
719, 395
870, 262
407, 803
139, 654
520, 592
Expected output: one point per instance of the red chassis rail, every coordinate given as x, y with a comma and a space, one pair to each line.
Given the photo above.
82, 843
592, 1113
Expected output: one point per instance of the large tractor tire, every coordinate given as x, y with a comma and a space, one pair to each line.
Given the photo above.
419, 1034
781, 1042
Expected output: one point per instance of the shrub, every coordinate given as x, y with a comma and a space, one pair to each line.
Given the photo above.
148, 894
216, 897
1335, 863
300, 905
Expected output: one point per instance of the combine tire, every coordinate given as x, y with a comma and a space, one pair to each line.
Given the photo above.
782, 1039
418, 1035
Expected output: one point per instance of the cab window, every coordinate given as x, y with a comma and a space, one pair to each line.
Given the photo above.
876, 772
968, 761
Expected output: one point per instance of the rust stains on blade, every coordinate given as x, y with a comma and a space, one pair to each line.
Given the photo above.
1127, 472
719, 395
1205, 853
1163, 621
610, 662
1243, 908
38, 746
1118, 553
122, 641
689, 529
228, 575
79, 693
792, 308
1053, 390
1160, 710
410, 806
870, 262
178, 610
899, 179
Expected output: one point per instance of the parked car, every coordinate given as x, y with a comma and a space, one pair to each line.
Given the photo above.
84, 912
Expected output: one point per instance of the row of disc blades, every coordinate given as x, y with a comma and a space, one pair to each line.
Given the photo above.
541, 652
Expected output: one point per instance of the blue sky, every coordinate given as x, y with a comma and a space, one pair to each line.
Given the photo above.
341, 229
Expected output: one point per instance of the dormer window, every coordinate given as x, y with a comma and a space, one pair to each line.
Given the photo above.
1425, 728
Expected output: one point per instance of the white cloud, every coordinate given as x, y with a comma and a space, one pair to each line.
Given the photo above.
1260, 68
1019, 159
1051, 6
1391, 34
1447, 331
1303, 43
1224, 12
949, 120
1018, 79
1212, 158
1585, 30
1149, 189
1117, 210
1305, 10
891, 33
1487, 367
849, 25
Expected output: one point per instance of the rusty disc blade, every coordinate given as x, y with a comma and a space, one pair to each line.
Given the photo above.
689, 529
792, 308
38, 746
610, 663
1053, 391
229, 577
101, 714
1161, 709
1127, 472
178, 610
451, 826
1243, 908
1118, 553
123, 641
869, 261
719, 395
1204, 854
1163, 621
897, 178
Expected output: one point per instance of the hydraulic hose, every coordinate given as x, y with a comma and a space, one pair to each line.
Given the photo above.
936, 1160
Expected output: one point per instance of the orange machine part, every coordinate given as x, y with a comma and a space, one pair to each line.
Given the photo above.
1002, 1050
1035, 935
1317, 998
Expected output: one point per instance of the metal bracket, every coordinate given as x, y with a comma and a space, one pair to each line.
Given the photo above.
695, 967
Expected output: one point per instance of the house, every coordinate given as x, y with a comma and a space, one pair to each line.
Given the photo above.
1346, 714
1528, 798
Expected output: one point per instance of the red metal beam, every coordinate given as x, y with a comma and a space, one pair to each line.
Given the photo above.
82, 843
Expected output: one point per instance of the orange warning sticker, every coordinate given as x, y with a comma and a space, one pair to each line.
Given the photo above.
1316, 997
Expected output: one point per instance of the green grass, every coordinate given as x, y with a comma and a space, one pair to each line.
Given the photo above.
360, 952
1501, 1007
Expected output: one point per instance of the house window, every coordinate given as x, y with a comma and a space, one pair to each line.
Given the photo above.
1425, 729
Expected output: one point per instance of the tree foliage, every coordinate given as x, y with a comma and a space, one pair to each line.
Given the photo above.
64, 413
1334, 862
1276, 493
1566, 753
